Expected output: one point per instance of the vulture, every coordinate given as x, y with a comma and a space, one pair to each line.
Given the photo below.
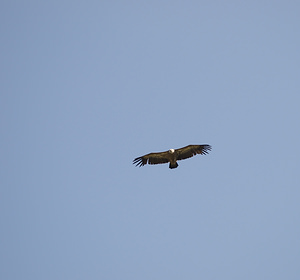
172, 155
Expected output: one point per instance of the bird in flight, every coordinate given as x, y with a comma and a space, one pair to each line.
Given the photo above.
172, 155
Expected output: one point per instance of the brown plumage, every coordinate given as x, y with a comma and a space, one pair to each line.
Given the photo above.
172, 155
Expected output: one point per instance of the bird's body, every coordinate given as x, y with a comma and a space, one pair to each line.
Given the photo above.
172, 155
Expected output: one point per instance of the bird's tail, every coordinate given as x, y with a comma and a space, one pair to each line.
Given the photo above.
173, 165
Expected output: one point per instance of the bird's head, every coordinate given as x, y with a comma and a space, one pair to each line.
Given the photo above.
171, 151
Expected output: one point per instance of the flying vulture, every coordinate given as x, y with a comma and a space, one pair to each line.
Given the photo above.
172, 155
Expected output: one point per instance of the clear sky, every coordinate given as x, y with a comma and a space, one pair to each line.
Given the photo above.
87, 86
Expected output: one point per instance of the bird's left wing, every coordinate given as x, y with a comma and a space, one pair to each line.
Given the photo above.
192, 150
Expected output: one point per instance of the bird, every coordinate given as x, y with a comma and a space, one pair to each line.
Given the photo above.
172, 155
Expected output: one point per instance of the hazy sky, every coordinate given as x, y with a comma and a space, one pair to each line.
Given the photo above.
87, 86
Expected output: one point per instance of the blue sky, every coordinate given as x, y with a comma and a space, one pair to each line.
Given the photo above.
88, 86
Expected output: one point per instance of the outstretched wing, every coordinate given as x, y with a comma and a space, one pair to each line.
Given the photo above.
152, 158
192, 150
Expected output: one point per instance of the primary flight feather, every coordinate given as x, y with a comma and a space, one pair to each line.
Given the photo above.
172, 155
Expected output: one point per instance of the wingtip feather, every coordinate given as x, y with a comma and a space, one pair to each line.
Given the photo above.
138, 161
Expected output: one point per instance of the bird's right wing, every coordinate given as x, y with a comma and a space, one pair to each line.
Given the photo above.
152, 158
